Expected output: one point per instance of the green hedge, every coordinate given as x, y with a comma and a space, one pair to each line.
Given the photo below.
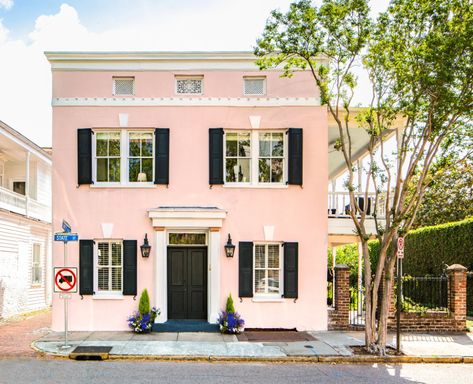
427, 249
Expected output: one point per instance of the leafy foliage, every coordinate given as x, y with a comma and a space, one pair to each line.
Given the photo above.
144, 306
230, 308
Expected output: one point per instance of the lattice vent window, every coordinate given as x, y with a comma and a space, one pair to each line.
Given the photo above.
189, 85
255, 85
123, 85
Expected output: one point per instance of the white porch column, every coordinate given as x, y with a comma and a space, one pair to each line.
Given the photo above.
27, 182
214, 274
160, 268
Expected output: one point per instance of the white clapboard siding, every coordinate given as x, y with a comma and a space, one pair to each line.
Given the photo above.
17, 236
43, 184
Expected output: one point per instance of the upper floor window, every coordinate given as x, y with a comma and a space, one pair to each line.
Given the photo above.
253, 157
124, 86
140, 156
123, 157
193, 85
238, 157
254, 85
109, 262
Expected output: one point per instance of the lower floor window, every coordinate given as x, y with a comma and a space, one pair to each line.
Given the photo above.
267, 269
36, 271
109, 266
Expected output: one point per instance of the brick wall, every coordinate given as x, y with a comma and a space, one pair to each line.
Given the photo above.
452, 321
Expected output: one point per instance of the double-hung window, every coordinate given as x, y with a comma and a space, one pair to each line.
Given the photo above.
267, 269
36, 269
255, 158
124, 157
109, 266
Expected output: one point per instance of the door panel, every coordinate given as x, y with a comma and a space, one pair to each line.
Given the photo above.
187, 283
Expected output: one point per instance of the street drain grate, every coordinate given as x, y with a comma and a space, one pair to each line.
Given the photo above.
90, 353
309, 346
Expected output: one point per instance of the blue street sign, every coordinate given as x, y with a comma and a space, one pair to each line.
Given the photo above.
65, 237
66, 226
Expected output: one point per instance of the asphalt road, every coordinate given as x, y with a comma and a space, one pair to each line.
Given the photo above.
91, 372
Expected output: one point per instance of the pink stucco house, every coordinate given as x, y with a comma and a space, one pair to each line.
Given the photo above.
189, 148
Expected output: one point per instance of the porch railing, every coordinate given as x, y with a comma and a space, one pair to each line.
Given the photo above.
339, 204
17, 203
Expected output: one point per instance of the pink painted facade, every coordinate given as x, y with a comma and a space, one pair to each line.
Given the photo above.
82, 98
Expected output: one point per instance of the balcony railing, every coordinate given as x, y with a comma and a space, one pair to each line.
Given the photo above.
17, 203
339, 204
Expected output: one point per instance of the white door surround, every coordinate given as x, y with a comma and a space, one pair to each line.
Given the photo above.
187, 219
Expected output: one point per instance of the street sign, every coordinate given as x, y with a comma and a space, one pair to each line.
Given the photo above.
400, 247
65, 237
66, 226
65, 279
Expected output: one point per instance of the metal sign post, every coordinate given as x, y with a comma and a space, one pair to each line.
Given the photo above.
61, 278
400, 256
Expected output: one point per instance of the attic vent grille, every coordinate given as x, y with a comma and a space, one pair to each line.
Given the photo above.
123, 85
192, 85
255, 86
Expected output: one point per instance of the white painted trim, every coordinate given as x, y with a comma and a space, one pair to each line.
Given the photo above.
269, 296
160, 272
187, 218
213, 296
186, 101
106, 294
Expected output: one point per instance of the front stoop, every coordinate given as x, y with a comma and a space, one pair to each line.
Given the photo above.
185, 326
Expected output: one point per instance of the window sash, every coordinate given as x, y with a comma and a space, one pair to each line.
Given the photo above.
124, 158
110, 273
266, 269
141, 157
36, 269
254, 159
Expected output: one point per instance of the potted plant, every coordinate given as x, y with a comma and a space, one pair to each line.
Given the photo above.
229, 320
142, 320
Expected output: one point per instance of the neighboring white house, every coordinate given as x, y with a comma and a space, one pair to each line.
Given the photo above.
25, 224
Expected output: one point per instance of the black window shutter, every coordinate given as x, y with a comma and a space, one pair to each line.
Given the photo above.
161, 156
295, 156
245, 272
86, 267
215, 156
291, 251
129, 267
84, 156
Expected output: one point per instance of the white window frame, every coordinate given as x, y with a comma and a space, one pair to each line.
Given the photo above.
284, 159
254, 78
132, 78
98, 292
127, 145
37, 264
2, 172
124, 151
254, 171
281, 270
189, 77
251, 158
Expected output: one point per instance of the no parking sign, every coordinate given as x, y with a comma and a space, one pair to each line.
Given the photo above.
65, 279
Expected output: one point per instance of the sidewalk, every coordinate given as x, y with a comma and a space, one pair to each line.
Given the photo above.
17, 334
327, 346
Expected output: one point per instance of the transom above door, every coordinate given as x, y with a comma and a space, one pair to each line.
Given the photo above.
187, 282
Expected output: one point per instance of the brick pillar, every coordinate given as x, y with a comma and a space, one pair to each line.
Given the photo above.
340, 316
457, 295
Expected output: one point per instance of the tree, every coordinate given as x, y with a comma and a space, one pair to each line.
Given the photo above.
418, 57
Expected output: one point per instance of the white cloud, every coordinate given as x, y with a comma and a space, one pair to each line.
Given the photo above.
25, 95
7, 4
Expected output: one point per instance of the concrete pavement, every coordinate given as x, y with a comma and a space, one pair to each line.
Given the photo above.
327, 346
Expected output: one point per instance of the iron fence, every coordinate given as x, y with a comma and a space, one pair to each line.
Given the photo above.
427, 293
357, 305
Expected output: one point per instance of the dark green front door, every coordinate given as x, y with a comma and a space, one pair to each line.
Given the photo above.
187, 283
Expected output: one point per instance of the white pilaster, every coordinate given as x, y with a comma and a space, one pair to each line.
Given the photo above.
160, 267
214, 275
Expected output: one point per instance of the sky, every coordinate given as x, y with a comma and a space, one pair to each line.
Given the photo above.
30, 27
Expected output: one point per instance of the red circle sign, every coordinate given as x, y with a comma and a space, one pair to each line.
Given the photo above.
65, 279
400, 243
